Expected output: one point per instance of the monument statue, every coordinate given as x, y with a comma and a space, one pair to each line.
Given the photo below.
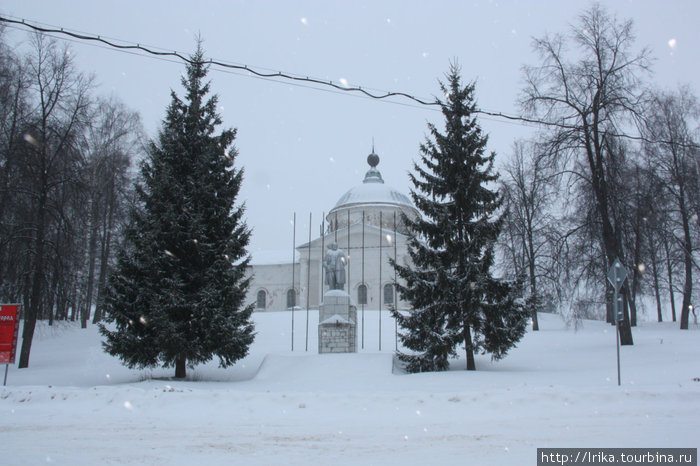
334, 265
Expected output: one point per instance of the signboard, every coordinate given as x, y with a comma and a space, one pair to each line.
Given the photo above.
617, 275
9, 330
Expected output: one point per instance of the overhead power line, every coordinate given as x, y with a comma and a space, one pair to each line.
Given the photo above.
130, 46
251, 70
258, 72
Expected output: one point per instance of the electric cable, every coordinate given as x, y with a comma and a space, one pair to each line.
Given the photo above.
299, 79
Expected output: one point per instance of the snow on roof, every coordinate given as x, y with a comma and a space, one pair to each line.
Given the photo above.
373, 190
373, 193
335, 319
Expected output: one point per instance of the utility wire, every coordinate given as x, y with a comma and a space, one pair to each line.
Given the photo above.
340, 88
251, 70
126, 46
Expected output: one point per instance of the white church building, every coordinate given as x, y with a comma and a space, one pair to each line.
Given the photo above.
367, 225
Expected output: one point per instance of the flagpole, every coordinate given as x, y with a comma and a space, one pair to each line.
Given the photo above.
363, 279
294, 289
323, 251
308, 287
348, 256
396, 300
380, 280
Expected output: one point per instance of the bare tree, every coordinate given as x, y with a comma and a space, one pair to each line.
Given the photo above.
59, 100
110, 142
673, 156
588, 102
655, 200
528, 225
13, 113
64, 180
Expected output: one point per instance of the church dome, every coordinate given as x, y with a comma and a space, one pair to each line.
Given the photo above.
373, 191
372, 203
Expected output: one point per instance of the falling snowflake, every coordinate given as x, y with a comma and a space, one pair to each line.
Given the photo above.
30, 139
304, 21
344, 82
672, 44
128, 406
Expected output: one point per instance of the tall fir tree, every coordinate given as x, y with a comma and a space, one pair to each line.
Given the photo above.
176, 297
455, 299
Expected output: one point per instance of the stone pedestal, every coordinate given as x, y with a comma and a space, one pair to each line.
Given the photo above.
337, 323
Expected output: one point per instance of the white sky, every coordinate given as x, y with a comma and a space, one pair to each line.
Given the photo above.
303, 148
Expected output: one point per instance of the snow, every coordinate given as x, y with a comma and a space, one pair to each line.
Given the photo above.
76, 405
335, 319
373, 194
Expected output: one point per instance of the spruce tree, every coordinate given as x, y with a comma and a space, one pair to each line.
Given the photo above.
455, 299
176, 297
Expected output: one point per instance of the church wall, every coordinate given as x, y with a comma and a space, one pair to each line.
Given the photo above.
354, 269
275, 280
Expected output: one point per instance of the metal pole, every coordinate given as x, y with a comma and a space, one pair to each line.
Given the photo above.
294, 287
363, 279
348, 256
323, 250
618, 311
380, 280
396, 302
308, 287
616, 276
7, 367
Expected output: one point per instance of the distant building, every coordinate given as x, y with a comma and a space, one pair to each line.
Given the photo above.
365, 222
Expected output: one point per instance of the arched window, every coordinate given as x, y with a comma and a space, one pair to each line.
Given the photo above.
291, 299
362, 294
388, 294
262, 300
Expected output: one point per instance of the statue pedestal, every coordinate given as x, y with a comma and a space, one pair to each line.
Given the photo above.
337, 328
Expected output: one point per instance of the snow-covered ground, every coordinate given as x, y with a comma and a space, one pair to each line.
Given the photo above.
75, 405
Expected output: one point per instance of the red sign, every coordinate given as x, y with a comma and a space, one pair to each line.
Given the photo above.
9, 329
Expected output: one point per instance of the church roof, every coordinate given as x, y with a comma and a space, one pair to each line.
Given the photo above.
373, 191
